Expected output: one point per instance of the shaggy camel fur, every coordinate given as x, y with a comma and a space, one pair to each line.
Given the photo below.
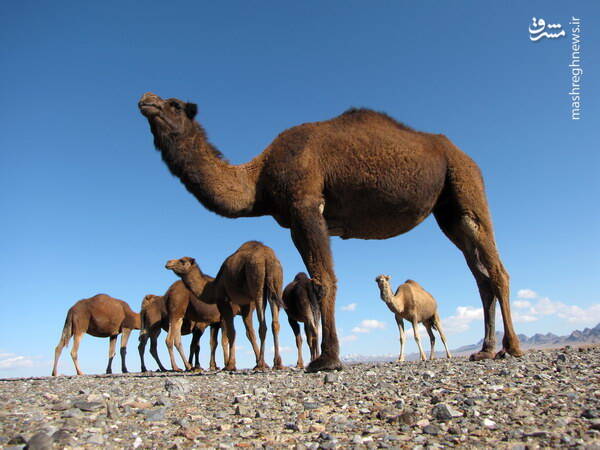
247, 280
100, 316
155, 317
182, 305
359, 175
301, 305
415, 304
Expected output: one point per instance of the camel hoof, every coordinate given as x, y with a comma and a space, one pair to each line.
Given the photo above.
229, 368
214, 368
323, 363
515, 352
125, 371
481, 355
261, 367
299, 366
143, 370
196, 369
278, 367
108, 372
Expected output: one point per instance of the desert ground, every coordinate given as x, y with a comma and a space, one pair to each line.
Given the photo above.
545, 399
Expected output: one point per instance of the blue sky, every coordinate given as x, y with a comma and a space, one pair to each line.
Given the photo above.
88, 206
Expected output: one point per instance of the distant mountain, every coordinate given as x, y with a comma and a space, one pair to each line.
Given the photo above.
538, 340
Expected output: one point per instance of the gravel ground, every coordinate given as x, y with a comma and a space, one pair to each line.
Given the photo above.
545, 399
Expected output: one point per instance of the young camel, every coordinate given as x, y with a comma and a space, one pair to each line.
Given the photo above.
100, 316
302, 305
154, 317
413, 303
182, 305
247, 280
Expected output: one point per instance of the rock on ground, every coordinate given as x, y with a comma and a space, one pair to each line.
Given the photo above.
545, 399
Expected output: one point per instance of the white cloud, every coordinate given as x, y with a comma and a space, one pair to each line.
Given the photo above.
350, 307
360, 330
367, 325
521, 304
9, 361
282, 349
461, 321
526, 293
544, 306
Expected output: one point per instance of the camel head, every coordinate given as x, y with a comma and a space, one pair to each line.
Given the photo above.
169, 119
181, 266
382, 280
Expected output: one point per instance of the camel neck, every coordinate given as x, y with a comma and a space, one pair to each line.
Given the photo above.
228, 190
388, 297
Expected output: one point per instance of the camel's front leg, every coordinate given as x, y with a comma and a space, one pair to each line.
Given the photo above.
311, 238
415, 325
194, 359
154, 350
400, 324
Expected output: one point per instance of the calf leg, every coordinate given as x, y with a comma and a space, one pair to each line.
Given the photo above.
298, 335
124, 338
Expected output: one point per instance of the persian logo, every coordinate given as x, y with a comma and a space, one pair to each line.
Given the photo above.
539, 30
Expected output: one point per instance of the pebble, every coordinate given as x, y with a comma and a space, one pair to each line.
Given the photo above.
431, 404
40, 441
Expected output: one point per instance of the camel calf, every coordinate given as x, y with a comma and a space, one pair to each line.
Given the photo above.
154, 318
100, 316
301, 305
179, 312
413, 303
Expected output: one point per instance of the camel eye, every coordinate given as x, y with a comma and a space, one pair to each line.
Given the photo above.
176, 105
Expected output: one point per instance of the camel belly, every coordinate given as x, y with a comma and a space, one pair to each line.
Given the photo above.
365, 216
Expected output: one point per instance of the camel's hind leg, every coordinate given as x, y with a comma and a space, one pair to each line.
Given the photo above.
194, 359
111, 352
428, 326
463, 216
298, 335
124, 338
437, 324
76, 341
214, 336
153, 348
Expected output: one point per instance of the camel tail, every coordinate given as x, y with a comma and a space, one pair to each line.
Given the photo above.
274, 284
67, 331
314, 304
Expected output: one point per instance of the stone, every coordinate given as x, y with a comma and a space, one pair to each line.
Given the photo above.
87, 406
330, 378
40, 441
444, 412
177, 386
155, 414
432, 429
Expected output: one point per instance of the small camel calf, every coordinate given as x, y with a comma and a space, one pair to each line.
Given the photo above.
301, 305
413, 303
154, 319
100, 316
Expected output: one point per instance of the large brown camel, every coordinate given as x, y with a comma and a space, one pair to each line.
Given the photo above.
359, 175
183, 306
248, 279
301, 305
413, 303
100, 316
154, 318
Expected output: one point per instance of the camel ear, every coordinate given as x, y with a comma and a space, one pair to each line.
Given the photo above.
191, 109
192, 261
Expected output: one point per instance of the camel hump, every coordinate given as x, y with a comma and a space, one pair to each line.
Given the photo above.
409, 281
300, 276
